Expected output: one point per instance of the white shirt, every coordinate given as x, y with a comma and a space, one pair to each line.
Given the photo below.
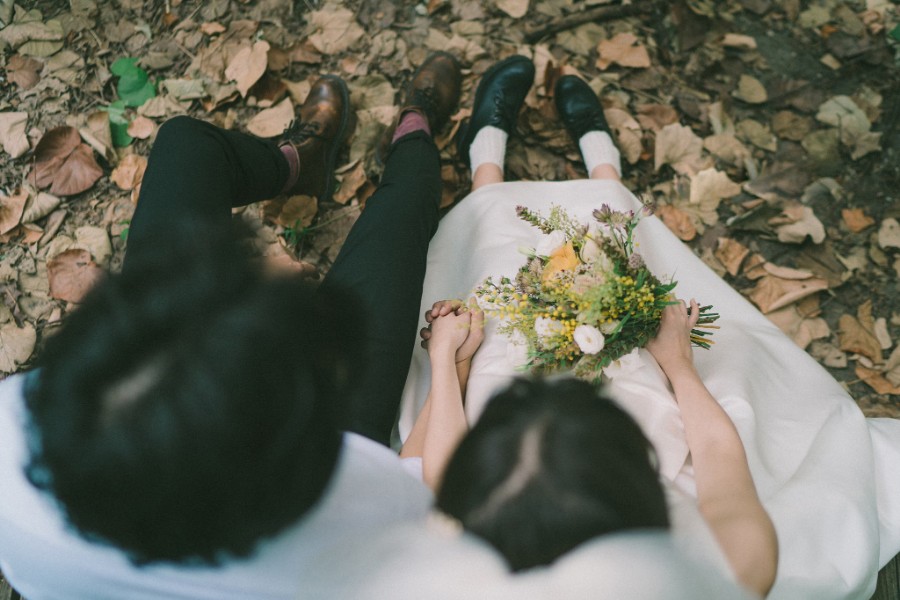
44, 559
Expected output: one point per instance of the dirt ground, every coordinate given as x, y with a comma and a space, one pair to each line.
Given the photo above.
765, 132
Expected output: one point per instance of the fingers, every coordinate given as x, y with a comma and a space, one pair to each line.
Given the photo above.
695, 313
442, 308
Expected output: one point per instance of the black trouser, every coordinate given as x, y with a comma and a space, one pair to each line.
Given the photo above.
198, 172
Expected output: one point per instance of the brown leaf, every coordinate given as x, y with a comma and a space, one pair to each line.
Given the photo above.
23, 71
297, 211
709, 186
656, 116
78, 173
856, 219
333, 30
889, 233
755, 267
130, 171
351, 182
679, 146
855, 337
272, 122
750, 90
514, 8
212, 28
678, 221
11, 209
16, 345
801, 329
796, 223
731, 253
771, 293
99, 136
623, 49
51, 152
141, 128
12, 133
876, 381
72, 274
785, 272
247, 66
628, 133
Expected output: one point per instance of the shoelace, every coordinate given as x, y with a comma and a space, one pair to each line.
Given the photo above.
301, 131
426, 100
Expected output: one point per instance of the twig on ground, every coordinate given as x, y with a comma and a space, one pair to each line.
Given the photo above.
602, 13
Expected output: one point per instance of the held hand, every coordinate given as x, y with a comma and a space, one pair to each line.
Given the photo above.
476, 331
672, 345
448, 333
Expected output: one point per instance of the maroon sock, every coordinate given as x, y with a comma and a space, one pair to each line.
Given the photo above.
293, 160
411, 121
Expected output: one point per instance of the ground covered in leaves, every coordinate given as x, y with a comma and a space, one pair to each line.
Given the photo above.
765, 132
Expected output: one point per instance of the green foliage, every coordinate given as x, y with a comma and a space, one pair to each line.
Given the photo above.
134, 86
118, 124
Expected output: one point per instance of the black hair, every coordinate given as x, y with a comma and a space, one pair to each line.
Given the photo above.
548, 466
188, 409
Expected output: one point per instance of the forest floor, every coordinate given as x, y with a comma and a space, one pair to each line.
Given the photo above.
765, 132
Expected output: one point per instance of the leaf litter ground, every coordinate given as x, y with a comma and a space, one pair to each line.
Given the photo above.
764, 132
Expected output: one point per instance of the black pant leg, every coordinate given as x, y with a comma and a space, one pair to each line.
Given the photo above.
195, 174
383, 262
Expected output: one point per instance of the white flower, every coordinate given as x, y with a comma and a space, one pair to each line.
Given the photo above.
550, 242
590, 251
589, 339
547, 328
625, 365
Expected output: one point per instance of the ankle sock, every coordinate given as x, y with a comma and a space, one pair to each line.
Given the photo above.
410, 121
489, 146
597, 148
293, 160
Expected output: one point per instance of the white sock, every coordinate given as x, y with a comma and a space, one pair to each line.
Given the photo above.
489, 146
597, 148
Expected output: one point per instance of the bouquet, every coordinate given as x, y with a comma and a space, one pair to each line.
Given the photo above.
584, 297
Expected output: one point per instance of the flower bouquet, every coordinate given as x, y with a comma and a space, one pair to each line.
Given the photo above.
584, 297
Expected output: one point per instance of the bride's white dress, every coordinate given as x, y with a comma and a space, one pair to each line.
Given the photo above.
829, 477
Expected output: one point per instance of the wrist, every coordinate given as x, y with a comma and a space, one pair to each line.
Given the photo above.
442, 352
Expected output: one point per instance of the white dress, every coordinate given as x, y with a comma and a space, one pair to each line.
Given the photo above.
829, 477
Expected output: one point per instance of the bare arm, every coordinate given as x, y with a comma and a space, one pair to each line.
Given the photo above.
454, 334
726, 494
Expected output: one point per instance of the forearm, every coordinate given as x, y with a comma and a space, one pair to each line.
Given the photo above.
446, 419
726, 494
462, 375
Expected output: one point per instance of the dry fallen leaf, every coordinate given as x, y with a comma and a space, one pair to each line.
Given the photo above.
785, 272
855, 337
876, 381
771, 293
856, 219
351, 182
333, 30
750, 90
710, 186
23, 71
272, 122
39, 206
623, 49
678, 221
16, 345
78, 173
656, 116
801, 329
72, 274
51, 151
514, 8
755, 267
796, 223
141, 127
628, 133
889, 234
731, 253
247, 66
11, 209
737, 40
129, 172
678, 146
297, 211
12, 133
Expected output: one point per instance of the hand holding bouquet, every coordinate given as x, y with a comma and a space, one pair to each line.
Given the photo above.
584, 298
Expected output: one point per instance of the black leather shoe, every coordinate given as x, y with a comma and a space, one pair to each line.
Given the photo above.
498, 99
433, 91
324, 122
578, 107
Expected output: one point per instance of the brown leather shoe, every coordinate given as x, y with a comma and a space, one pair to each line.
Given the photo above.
433, 92
322, 126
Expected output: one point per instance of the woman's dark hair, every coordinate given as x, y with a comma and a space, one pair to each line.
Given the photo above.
189, 407
548, 466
